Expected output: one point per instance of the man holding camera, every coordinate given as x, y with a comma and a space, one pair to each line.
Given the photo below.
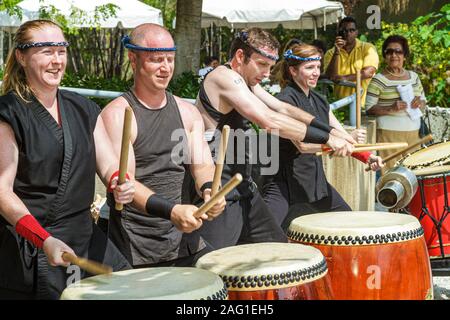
348, 54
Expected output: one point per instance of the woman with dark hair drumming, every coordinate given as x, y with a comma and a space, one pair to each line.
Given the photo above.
300, 186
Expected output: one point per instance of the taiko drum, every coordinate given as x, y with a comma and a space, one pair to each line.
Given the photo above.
370, 255
270, 271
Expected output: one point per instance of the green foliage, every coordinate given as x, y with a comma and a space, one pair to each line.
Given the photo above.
429, 41
11, 7
90, 81
186, 85
78, 17
168, 9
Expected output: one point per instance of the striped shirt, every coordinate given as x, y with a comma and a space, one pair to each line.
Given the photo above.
383, 92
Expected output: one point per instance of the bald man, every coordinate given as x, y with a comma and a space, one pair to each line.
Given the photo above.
166, 138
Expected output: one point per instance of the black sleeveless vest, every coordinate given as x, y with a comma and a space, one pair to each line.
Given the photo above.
160, 150
236, 161
55, 180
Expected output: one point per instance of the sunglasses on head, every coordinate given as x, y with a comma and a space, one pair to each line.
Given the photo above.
391, 51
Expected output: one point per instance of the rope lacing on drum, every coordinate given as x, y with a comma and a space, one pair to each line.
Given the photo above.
221, 295
355, 240
237, 283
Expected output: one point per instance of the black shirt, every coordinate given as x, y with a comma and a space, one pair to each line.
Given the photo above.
303, 172
56, 181
160, 149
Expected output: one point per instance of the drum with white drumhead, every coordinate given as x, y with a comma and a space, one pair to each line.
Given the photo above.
270, 271
169, 283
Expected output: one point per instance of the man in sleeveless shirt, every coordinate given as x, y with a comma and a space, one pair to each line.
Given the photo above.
166, 136
231, 95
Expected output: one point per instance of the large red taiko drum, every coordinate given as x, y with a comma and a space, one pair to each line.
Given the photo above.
370, 255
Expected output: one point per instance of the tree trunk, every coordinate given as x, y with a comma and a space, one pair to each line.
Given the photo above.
118, 68
188, 35
394, 7
349, 5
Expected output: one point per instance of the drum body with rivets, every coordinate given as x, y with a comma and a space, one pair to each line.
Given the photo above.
270, 271
169, 283
370, 255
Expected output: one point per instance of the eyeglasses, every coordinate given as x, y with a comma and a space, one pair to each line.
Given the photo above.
350, 30
391, 51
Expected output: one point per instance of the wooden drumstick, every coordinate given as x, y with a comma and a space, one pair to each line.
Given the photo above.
381, 147
370, 148
358, 98
425, 139
123, 166
220, 159
230, 185
359, 145
92, 267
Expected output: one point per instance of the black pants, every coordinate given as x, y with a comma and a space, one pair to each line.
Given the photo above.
7, 294
185, 261
245, 220
276, 196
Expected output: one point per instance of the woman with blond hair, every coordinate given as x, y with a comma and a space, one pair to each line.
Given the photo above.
300, 186
53, 142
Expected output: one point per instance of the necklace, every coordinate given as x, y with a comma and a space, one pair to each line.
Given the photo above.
396, 75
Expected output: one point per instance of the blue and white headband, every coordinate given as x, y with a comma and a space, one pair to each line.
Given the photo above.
23, 46
126, 40
290, 55
243, 36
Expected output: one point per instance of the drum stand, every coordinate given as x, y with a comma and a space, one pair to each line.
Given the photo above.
440, 266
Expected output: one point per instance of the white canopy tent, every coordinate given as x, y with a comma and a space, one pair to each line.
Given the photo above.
292, 14
129, 13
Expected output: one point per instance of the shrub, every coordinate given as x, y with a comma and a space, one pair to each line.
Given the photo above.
90, 81
186, 85
429, 41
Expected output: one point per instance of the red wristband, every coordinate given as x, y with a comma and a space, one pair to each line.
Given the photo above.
29, 228
362, 156
115, 175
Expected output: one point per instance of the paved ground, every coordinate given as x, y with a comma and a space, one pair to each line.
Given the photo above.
441, 286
